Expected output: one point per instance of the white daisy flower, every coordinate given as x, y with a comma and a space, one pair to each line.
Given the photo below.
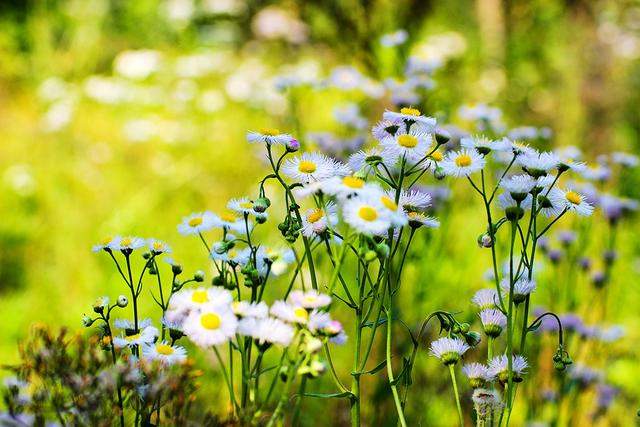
462, 163
499, 365
625, 159
570, 162
269, 136
367, 215
521, 289
418, 219
449, 350
157, 247
212, 325
485, 145
233, 256
309, 299
364, 159
315, 221
146, 336
186, 301
310, 167
575, 201
243, 309
395, 38
273, 260
309, 189
343, 186
414, 200
599, 173
165, 353
289, 312
551, 204
485, 298
126, 243
518, 185
538, 164
267, 330
389, 206
105, 244
127, 324
506, 201
197, 223
243, 205
412, 116
385, 128
232, 221
477, 373
318, 320
493, 321
413, 146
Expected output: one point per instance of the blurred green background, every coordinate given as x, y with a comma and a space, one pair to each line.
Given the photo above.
123, 116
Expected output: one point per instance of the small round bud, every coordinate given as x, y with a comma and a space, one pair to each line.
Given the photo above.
472, 338
370, 256
146, 255
122, 301
261, 204
382, 249
464, 327
293, 145
439, 174
176, 269
87, 321
261, 219
485, 240
198, 276
514, 213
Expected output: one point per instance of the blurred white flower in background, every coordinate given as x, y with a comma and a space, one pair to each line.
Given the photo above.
137, 64
20, 179
273, 23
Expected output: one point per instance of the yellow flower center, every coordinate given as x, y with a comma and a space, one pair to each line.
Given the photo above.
235, 305
125, 242
246, 205
165, 349
573, 197
310, 298
407, 141
301, 313
413, 215
133, 337
367, 213
389, 203
210, 321
229, 217
463, 160
269, 131
158, 246
437, 156
307, 166
232, 253
353, 182
410, 111
200, 297
195, 221
315, 216
106, 241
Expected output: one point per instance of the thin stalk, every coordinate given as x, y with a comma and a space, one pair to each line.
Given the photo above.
455, 392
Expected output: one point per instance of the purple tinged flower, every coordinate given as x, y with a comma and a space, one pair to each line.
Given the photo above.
606, 394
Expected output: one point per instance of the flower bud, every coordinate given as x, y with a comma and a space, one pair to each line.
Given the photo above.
442, 136
198, 276
293, 145
87, 321
122, 301
485, 240
382, 249
261, 204
370, 256
472, 338
514, 213
261, 219
439, 174
100, 304
176, 269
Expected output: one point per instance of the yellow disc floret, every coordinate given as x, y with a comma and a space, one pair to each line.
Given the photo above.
210, 321
389, 203
195, 221
315, 216
463, 160
573, 197
301, 313
407, 141
307, 166
353, 182
410, 111
200, 297
164, 349
269, 131
367, 213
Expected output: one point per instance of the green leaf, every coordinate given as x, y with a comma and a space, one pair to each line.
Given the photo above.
378, 367
329, 395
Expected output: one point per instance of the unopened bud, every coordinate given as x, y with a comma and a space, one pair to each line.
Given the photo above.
122, 301
198, 276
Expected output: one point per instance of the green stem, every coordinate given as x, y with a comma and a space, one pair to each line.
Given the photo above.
455, 392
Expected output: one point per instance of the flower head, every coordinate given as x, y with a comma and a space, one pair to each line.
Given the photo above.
197, 223
211, 325
462, 163
269, 136
310, 167
499, 367
477, 373
493, 322
165, 353
449, 350
485, 298
309, 299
